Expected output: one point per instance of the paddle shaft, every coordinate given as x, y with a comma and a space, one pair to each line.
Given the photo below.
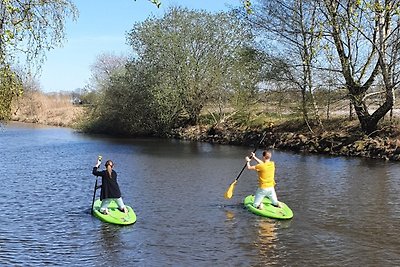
99, 158
94, 194
254, 151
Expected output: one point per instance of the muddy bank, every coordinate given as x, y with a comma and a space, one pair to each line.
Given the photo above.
330, 143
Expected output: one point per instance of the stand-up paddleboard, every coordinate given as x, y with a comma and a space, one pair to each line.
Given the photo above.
115, 216
268, 210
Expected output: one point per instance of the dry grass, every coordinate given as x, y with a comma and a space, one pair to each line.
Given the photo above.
48, 109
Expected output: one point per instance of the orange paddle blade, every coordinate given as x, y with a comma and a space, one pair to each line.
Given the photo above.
229, 192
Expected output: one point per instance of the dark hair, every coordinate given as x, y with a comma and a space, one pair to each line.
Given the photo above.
267, 151
109, 171
108, 162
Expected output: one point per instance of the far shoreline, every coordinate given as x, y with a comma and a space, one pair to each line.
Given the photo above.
328, 143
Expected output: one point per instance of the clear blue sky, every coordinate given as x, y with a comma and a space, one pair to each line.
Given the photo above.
101, 27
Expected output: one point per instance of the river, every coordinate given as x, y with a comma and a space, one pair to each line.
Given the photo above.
346, 210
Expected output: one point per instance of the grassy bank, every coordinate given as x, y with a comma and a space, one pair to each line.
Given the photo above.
54, 109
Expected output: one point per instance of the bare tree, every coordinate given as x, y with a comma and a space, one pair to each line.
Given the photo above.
291, 27
365, 36
103, 68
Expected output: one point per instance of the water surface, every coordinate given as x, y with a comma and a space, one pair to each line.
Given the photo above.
346, 211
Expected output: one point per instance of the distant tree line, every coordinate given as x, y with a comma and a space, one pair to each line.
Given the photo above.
300, 55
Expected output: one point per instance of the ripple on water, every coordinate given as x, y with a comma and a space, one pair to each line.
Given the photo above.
345, 211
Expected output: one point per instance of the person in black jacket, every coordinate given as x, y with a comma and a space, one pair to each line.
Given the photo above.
109, 187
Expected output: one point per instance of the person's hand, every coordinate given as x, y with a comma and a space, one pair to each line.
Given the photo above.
98, 161
248, 159
253, 154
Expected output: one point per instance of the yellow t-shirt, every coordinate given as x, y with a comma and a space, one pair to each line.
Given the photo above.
266, 174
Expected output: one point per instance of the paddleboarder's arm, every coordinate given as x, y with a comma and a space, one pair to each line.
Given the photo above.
95, 171
253, 155
248, 164
96, 167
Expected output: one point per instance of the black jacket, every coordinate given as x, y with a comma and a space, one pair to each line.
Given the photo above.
109, 185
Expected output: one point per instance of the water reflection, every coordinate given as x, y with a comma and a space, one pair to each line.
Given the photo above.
267, 237
229, 215
109, 238
111, 244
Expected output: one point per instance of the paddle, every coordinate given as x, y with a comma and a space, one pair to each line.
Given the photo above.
94, 195
229, 193
95, 188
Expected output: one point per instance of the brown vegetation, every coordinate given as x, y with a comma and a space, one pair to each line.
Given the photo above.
50, 109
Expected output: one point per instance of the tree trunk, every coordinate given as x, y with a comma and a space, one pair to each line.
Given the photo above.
369, 122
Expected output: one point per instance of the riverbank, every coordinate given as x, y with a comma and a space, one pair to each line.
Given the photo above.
340, 137
337, 143
339, 140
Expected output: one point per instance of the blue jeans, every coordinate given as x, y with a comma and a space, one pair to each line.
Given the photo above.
266, 192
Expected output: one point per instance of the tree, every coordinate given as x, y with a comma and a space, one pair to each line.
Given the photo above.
290, 29
181, 63
364, 36
192, 54
123, 103
120, 102
103, 68
10, 87
28, 28
366, 39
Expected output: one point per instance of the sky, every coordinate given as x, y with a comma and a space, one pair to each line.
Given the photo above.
101, 28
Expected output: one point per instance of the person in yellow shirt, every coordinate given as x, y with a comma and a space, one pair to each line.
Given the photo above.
266, 178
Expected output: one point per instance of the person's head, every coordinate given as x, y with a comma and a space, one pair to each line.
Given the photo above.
109, 163
267, 154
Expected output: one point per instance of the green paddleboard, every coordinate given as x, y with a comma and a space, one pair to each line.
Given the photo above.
268, 210
115, 216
